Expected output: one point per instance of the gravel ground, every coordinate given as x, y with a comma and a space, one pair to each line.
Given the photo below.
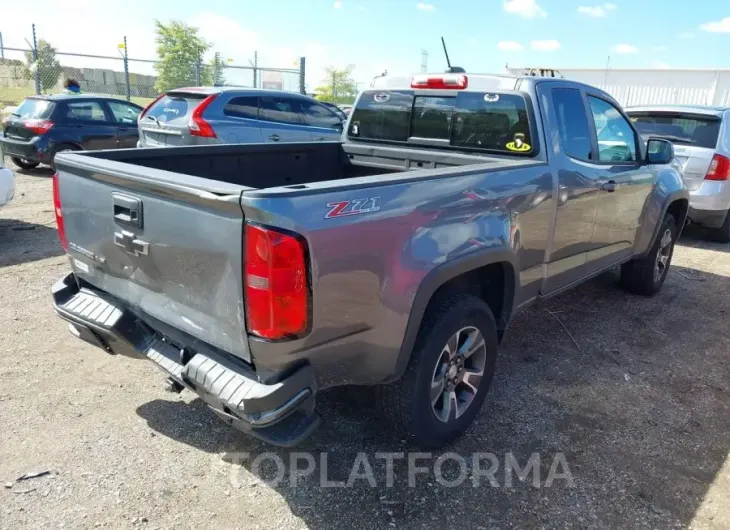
633, 392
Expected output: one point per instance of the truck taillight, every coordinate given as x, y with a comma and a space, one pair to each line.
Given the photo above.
275, 283
719, 168
445, 81
197, 125
59, 213
38, 127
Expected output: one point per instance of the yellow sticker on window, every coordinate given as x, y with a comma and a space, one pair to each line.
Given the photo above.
518, 146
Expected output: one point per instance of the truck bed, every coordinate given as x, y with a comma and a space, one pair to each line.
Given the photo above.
261, 166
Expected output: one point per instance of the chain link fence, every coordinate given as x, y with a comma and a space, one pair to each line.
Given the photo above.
37, 68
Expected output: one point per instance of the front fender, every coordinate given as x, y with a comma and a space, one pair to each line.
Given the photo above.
668, 188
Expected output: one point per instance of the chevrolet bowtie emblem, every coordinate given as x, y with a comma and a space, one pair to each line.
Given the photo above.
131, 245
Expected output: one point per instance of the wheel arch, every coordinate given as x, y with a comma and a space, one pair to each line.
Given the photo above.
491, 274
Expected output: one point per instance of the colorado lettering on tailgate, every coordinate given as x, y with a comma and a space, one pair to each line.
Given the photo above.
353, 207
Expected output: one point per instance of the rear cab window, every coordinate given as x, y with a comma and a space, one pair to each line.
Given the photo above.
678, 127
174, 106
35, 109
494, 122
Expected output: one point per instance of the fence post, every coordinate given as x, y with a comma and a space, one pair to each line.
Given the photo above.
126, 71
216, 66
2, 48
197, 72
302, 71
255, 69
37, 73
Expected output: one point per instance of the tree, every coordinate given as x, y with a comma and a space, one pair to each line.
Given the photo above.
338, 86
46, 66
180, 50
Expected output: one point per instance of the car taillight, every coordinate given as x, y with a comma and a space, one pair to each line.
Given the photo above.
59, 213
719, 168
148, 107
38, 126
275, 283
198, 126
448, 81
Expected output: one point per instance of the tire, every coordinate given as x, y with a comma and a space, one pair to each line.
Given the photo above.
407, 404
645, 276
722, 234
24, 164
60, 149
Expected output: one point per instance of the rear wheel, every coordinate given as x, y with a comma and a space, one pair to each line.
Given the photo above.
448, 376
24, 163
646, 275
722, 234
60, 149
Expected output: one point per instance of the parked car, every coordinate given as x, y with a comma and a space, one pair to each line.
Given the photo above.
7, 181
257, 275
701, 138
337, 110
43, 126
224, 115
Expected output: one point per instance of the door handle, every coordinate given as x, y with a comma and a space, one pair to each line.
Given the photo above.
322, 139
274, 137
609, 186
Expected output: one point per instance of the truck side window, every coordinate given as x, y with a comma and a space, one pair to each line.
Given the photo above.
616, 138
575, 136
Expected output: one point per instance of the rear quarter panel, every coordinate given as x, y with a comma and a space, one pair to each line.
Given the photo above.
367, 268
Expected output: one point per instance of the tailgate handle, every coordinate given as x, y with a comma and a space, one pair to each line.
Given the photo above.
127, 210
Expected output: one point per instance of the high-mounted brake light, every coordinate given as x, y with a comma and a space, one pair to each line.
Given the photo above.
198, 126
38, 126
719, 168
148, 107
443, 81
59, 214
276, 289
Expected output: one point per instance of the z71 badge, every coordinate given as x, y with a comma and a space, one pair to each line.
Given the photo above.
353, 207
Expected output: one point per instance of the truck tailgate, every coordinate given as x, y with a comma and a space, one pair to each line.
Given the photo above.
166, 244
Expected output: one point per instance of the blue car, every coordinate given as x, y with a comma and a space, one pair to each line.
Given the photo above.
224, 115
43, 126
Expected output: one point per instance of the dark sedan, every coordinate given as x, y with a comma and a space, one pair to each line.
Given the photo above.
43, 126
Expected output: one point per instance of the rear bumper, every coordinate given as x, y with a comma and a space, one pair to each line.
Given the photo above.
709, 204
282, 413
35, 150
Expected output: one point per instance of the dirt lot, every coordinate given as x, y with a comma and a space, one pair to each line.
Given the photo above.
638, 401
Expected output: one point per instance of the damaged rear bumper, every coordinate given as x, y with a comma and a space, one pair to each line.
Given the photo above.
282, 413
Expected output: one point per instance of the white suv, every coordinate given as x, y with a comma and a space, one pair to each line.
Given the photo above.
7, 182
701, 138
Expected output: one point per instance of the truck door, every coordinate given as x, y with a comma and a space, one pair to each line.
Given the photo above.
569, 140
625, 182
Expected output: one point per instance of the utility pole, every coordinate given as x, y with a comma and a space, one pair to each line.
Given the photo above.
334, 87
37, 75
126, 70
2, 49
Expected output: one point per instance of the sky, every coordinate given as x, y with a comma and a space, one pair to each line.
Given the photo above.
378, 35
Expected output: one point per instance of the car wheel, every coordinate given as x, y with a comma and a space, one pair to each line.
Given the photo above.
448, 375
646, 275
24, 163
722, 234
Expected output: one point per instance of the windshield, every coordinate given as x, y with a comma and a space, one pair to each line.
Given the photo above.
35, 109
474, 120
681, 128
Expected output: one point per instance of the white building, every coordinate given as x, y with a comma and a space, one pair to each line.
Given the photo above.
654, 86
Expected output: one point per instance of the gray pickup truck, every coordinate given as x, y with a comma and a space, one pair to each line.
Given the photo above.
256, 275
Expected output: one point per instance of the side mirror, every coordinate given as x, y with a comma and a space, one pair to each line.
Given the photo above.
659, 151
